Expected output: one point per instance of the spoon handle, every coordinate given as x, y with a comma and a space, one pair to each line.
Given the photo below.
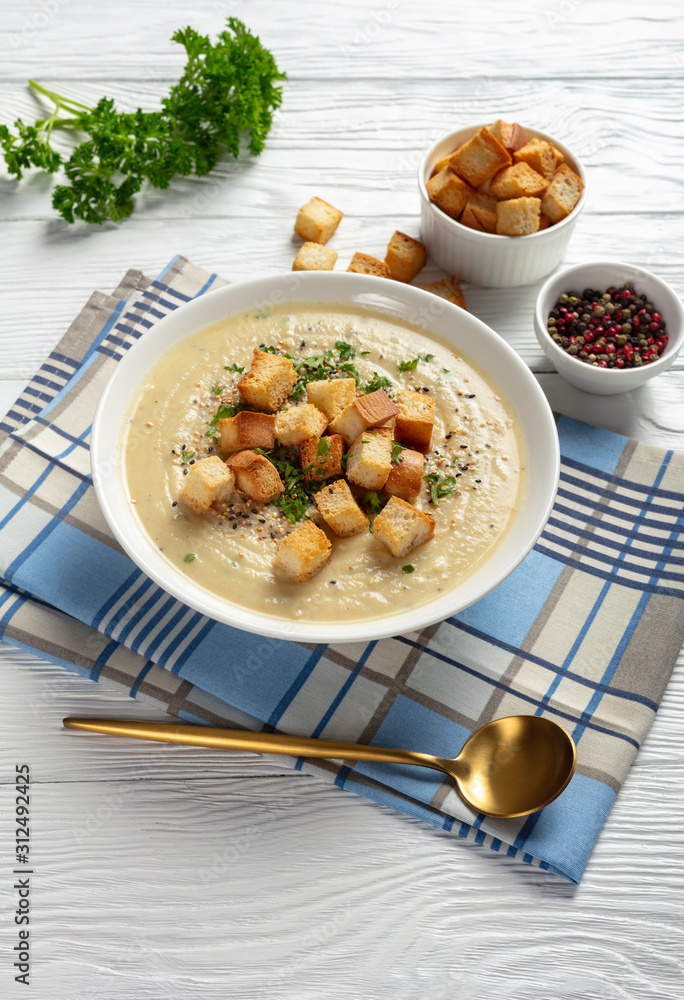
237, 739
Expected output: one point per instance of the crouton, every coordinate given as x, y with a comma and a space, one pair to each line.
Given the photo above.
302, 553
317, 221
370, 460
519, 181
563, 194
415, 420
469, 219
340, 510
479, 158
441, 164
268, 382
255, 475
314, 257
246, 430
371, 410
401, 527
449, 192
331, 395
511, 135
363, 263
406, 476
482, 208
478, 200
296, 423
518, 216
321, 457
542, 156
405, 257
449, 289
208, 481
485, 187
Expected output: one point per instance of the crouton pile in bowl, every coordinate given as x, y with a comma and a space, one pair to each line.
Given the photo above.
499, 202
324, 457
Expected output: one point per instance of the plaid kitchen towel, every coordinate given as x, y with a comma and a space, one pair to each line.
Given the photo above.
585, 631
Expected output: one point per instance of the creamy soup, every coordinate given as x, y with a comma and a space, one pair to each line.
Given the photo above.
475, 465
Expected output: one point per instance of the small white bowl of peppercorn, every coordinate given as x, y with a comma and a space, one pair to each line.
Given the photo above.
608, 327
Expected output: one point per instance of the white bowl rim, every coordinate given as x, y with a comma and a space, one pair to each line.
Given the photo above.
354, 289
666, 359
474, 234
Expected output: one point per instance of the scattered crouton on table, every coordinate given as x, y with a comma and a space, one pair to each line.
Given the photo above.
340, 510
314, 257
363, 263
449, 289
269, 381
405, 257
302, 553
401, 527
208, 481
317, 221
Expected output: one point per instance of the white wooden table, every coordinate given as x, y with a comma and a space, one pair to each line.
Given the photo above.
177, 873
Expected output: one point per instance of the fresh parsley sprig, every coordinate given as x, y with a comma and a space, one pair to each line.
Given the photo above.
227, 91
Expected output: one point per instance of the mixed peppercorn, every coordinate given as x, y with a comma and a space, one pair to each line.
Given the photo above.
618, 328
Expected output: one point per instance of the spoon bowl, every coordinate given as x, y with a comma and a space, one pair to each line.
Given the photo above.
509, 767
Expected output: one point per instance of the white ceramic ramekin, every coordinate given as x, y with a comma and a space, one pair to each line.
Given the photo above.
434, 317
600, 275
485, 258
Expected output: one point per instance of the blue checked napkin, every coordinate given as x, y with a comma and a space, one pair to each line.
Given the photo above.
586, 631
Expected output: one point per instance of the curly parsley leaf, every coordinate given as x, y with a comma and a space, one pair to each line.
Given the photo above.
409, 366
440, 486
227, 90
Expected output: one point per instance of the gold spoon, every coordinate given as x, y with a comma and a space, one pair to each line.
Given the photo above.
510, 767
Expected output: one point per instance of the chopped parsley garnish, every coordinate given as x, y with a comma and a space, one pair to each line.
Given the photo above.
190, 556
375, 383
373, 501
346, 351
187, 456
364, 353
217, 389
323, 447
440, 486
223, 411
409, 366
295, 499
320, 367
407, 569
233, 368
396, 452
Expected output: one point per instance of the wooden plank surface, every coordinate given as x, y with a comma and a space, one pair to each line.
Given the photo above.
183, 873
